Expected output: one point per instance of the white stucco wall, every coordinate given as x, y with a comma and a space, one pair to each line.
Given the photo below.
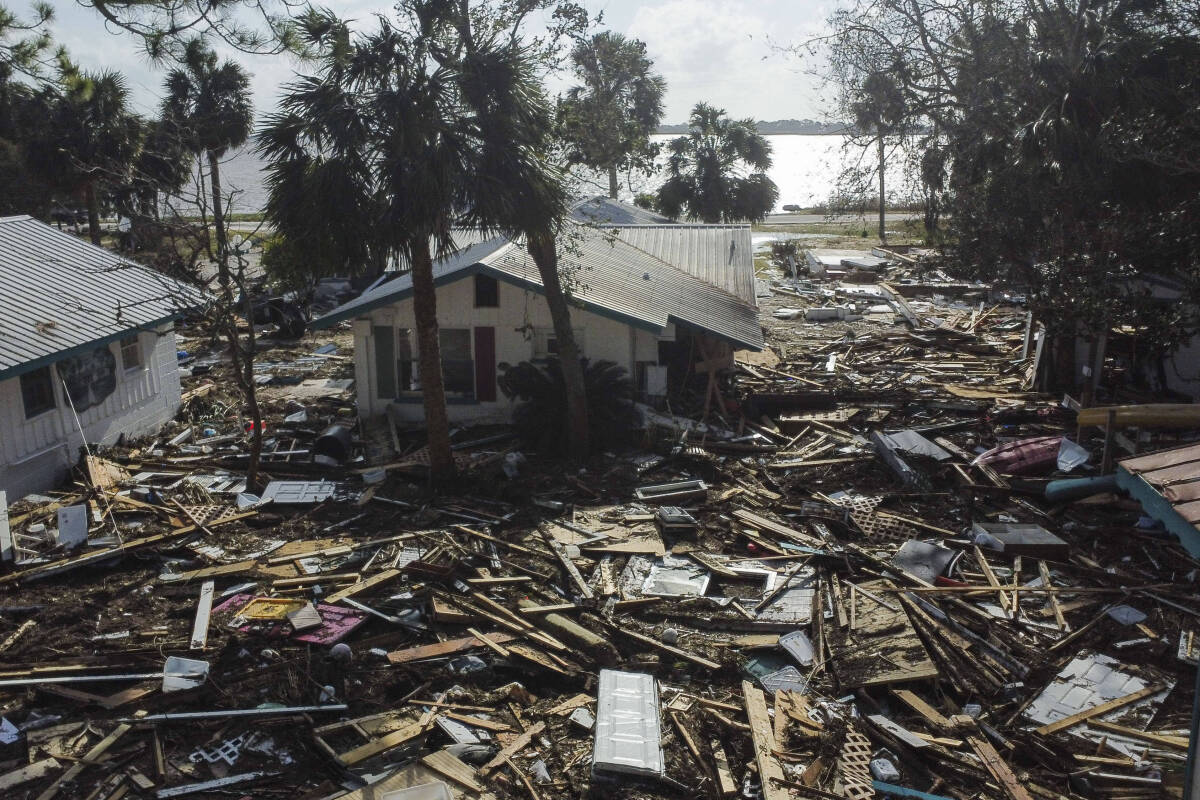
518, 316
35, 454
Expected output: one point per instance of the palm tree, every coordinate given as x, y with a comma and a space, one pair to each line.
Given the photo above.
607, 121
717, 170
878, 108
90, 139
426, 125
208, 103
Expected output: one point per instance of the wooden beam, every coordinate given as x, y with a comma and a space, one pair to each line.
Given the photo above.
363, 585
931, 715
1095, 711
998, 768
91, 757
769, 771
446, 648
515, 746
1173, 742
568, 564
675, 651
383, 743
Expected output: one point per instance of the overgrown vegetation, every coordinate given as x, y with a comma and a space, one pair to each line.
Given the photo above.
541, 415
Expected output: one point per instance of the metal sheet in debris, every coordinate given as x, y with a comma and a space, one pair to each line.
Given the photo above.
799, 647
672, 576
1092, 679
794, 605
628, 724
787, 679
299, 492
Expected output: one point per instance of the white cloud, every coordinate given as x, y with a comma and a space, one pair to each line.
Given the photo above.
728, 53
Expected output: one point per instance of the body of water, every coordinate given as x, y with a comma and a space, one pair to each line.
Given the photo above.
806, 169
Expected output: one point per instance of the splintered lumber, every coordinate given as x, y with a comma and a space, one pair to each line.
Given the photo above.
931, 715
11, 639
99, 556
445, 763
883, 648
478, 722
763, 737
449, 647
1059, 619
1174, 742
91, 757
33, 772
570, 704
998, 768
567, 563
386, 742
1095, 711
515, 746
666, 648
203, 612
764, 524
363, 585
493, 646
725, 784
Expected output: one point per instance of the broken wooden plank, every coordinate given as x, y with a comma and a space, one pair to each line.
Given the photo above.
449, 647
203, 612
515, 746
763, 738
363, 585
725, 785
91, 757
12, 638
488, 643
675, 651
445, 763
567, 563
1173, 742
764, 524
1095, 711
386, 742
32, 772
931, 715
998, 768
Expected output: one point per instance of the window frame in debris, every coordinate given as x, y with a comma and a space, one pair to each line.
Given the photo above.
44, 386
487, 291
124, 346
396, 371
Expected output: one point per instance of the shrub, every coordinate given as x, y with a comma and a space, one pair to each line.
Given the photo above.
541, 417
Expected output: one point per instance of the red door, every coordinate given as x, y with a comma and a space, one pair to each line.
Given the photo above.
485, 365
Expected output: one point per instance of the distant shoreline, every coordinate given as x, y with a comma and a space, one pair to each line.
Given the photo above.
782, 127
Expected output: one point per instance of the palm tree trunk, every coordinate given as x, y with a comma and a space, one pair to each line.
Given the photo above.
882, 202
613, 184
214, 169
93, 211
542, 248
429, 361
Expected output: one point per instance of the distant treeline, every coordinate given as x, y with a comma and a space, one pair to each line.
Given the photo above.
779, 126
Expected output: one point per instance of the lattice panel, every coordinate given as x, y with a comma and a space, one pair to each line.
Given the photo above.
204, 514
864, 504
881, 528
854, 767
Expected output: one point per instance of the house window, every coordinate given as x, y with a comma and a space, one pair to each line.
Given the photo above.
131, 353
458, 368
406, 362
545, 343
487, 292
37, 392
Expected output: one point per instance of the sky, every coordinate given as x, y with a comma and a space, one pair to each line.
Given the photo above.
729, 53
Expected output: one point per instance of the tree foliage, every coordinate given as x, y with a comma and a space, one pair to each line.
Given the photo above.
717, 172
607, 120
433, 120
1067, 140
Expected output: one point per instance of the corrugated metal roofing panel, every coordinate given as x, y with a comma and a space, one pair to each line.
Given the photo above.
722, 255
606, 274
606, 211
59, 293
628, 727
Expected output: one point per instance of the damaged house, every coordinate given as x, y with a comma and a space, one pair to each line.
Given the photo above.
662, 300
87, 351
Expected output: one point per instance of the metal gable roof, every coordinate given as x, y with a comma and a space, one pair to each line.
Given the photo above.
60, 295
606, 275
722, 255
606, 211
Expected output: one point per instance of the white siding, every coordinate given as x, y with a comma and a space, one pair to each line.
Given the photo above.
515, 319
35, 454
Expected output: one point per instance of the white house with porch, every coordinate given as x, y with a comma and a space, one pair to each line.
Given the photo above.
657, 298
87, 351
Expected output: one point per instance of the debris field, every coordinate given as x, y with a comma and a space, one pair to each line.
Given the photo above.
877, 565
